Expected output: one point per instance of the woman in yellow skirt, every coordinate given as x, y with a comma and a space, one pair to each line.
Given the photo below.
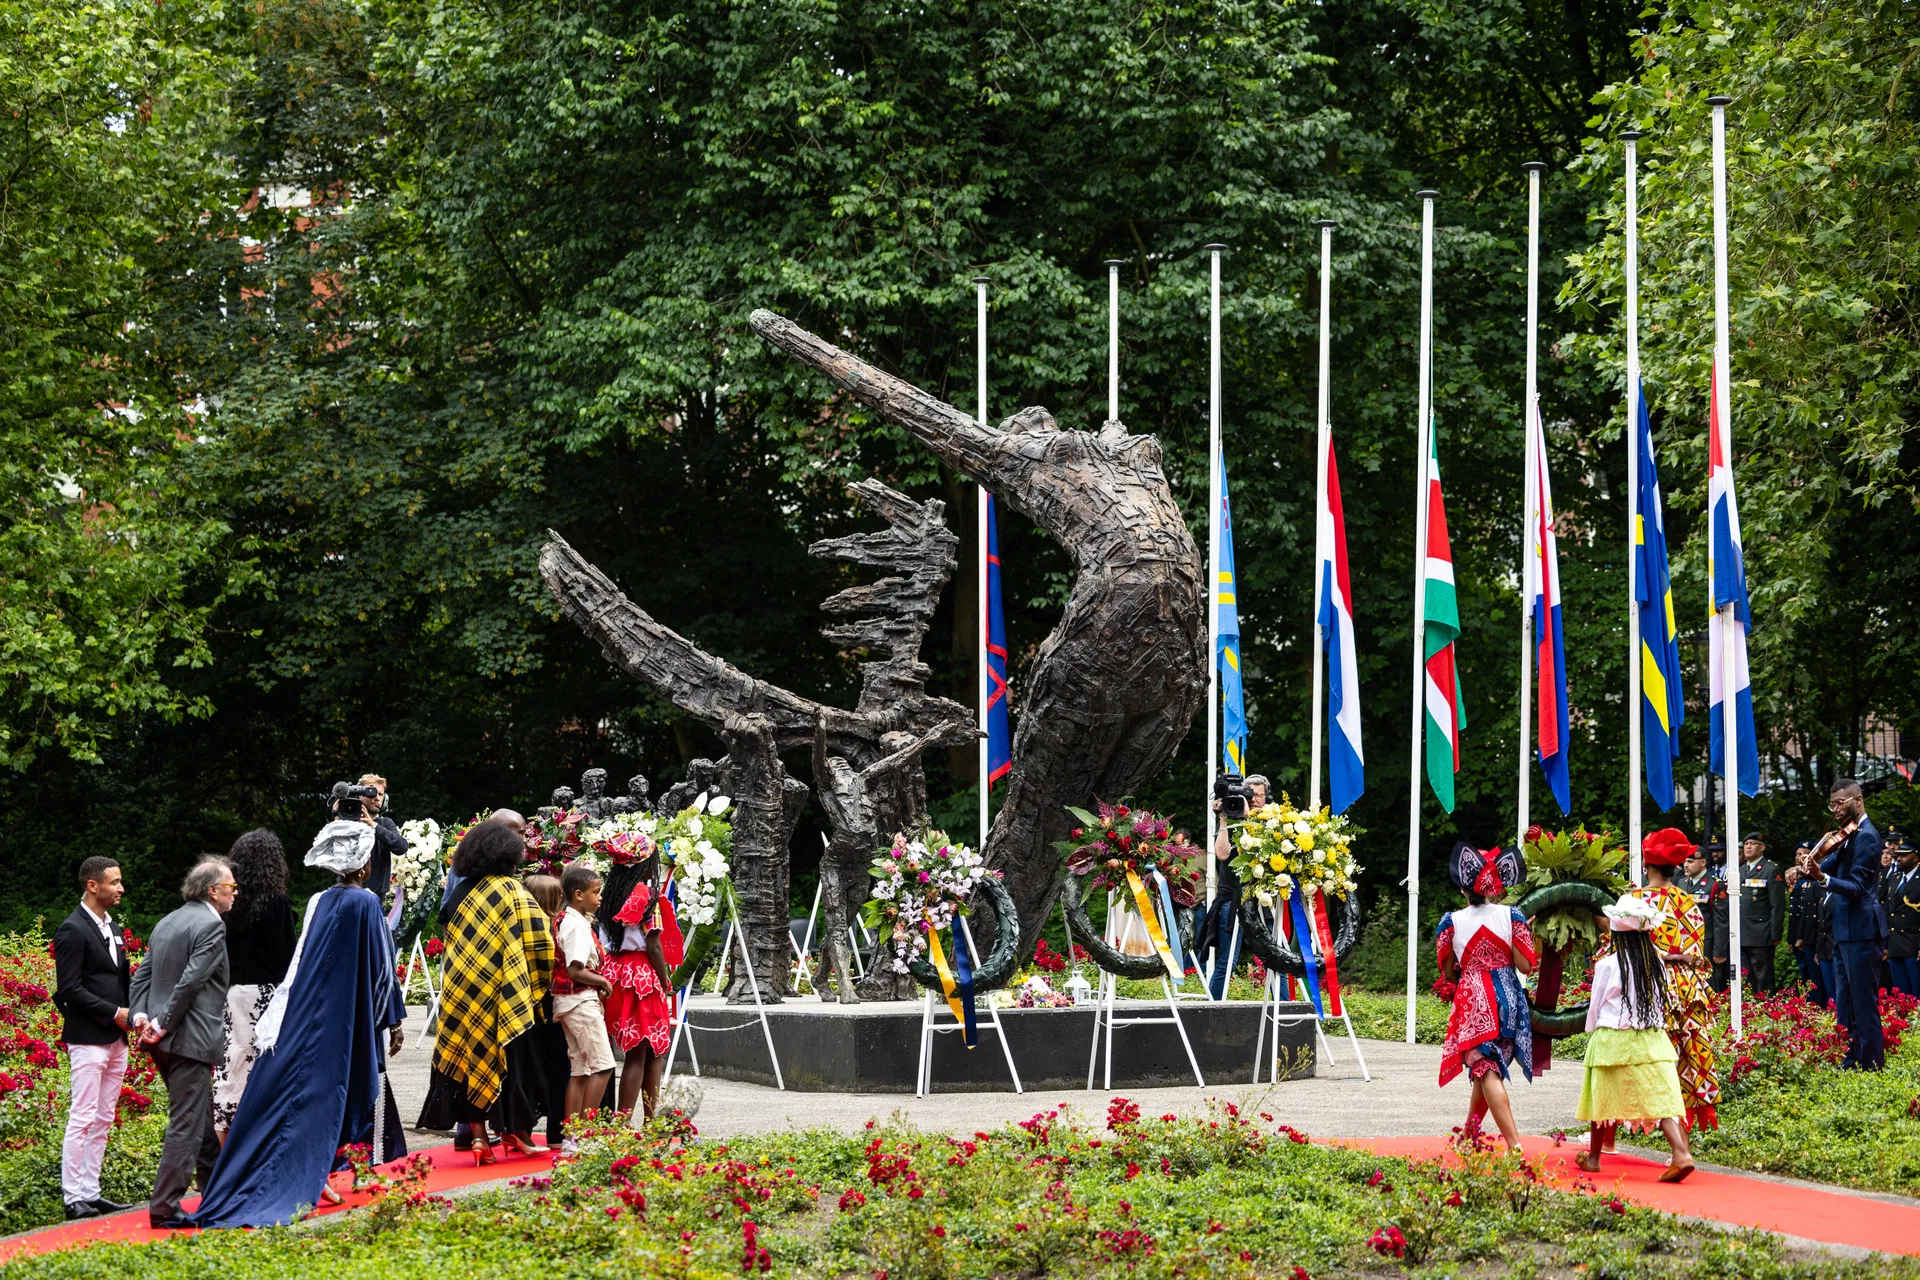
1630, 1073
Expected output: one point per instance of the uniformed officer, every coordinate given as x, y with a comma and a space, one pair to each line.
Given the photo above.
1900, 892
1715, 914
1763, 912
1803, 922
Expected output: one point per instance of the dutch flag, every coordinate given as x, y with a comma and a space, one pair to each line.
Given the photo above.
1551, 735
1727, 567
1345, 764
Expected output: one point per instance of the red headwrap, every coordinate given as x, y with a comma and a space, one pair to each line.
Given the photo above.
1667, 847
1488, 882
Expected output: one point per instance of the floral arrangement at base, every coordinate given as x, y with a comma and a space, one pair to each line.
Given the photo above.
420, 873
1280, 847
697, 844
1119, 840
920, 884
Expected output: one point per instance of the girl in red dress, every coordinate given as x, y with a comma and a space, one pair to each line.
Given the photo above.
1484, 947
637, 927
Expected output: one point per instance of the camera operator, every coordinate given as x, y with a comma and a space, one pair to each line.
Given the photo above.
363, 803
1215, 930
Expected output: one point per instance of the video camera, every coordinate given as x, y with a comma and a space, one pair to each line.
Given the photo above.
1234, 795
348, 799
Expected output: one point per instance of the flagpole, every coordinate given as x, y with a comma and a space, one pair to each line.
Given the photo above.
1529, 495
1636, 714
1113, 338
1321, 551
1722, 373
980, 685
1213, 548
1425, 448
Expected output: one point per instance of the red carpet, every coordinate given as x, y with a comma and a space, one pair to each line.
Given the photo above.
1830, 1216
451, 1169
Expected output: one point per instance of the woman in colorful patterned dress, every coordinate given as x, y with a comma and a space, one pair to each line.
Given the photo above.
643, 944
1484, 947
1681, 939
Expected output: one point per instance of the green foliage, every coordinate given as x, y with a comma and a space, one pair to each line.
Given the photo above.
1569, 857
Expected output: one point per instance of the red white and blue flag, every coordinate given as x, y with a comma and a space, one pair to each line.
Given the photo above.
1551, 735
999, 731
1345, 763
1727, 567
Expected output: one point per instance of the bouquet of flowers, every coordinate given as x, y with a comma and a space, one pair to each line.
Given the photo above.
1280, 847
554, 841
919, 885
1119, 839
697, 845
422, 869
623, 838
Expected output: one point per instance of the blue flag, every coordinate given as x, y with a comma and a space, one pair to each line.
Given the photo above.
999, 733
1233, 718
1662, 706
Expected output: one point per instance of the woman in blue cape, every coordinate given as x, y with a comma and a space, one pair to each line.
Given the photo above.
320, 1081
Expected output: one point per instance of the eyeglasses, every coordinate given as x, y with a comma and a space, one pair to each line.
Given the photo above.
227, 884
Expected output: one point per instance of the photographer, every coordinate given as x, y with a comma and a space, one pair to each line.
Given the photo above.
1214, 932
362, 803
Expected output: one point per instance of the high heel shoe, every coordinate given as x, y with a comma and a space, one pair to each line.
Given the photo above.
517, 1145
482, 1148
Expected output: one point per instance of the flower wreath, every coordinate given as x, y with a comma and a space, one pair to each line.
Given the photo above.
920, 884
1279, 847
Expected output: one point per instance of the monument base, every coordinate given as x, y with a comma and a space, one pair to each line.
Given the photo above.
875, 1047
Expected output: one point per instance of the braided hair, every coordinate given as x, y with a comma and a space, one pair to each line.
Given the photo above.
621, 880
1643, 978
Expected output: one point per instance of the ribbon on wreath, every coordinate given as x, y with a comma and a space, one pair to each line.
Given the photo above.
1323, 943
1173, 935
950, 986
1303, 939
1144, 905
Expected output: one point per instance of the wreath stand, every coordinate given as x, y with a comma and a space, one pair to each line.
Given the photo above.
1270, 1013
931, 1026
682, 1027
1105, 1018
417, 963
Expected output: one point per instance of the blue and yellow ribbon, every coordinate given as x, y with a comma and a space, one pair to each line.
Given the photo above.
950, 986
1144, 905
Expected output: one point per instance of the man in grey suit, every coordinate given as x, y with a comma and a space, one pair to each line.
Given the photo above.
178, 1000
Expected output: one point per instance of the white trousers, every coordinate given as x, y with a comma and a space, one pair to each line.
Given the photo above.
96, 1071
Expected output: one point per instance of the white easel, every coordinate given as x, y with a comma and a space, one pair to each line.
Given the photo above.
683, 1027
930, 1027
1270, 1002
1105, 1019
417, 963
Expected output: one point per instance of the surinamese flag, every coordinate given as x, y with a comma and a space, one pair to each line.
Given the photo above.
999, 730
1662, 704
1727, 568
1345, 764
1233, 709
1551, 736
1446, 709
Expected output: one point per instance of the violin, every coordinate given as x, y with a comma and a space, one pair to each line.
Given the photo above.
1831, 841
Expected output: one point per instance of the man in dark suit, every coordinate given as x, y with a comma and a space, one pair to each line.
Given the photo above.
1851, 876
90, 990
1804, 896
179, 999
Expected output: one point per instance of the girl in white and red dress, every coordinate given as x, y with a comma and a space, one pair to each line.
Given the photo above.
1484, 948
642, 938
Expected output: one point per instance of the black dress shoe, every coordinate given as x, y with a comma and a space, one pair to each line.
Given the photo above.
178, 1222
104, 1205
78, 1209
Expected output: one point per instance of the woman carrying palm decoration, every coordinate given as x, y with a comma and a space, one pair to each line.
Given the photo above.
1484, 947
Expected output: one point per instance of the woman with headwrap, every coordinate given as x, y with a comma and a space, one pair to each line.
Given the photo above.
319, 1083
488, 1065
1484, 947
642, 938
1681, 940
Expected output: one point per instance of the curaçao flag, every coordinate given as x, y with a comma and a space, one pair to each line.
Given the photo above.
1551, 736
1345, 764
1662, 705
999, 733
1727, 567
1233, 708
1446, 709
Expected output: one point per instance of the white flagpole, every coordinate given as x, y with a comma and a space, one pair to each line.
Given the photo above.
1528, 484
1635, 712
1424, 445
1213, 551
980, 576
1113, 338
1321, 551
1730, 731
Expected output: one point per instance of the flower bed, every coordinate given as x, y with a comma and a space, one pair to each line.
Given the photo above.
1127, 1194
33, 1097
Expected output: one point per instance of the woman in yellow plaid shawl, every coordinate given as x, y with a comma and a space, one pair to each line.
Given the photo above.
487, 1069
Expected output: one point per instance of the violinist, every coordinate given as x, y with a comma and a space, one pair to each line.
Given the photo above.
1847, 865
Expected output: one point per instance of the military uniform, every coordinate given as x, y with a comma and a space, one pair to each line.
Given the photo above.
1900, 894
1803, 934
1715, 912
1763, 917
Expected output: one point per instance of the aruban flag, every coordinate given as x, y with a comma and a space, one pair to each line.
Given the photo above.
999, 733
1551, 738
1233, 708
1727, 567
1446, 709
1345, 765
1662, 704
